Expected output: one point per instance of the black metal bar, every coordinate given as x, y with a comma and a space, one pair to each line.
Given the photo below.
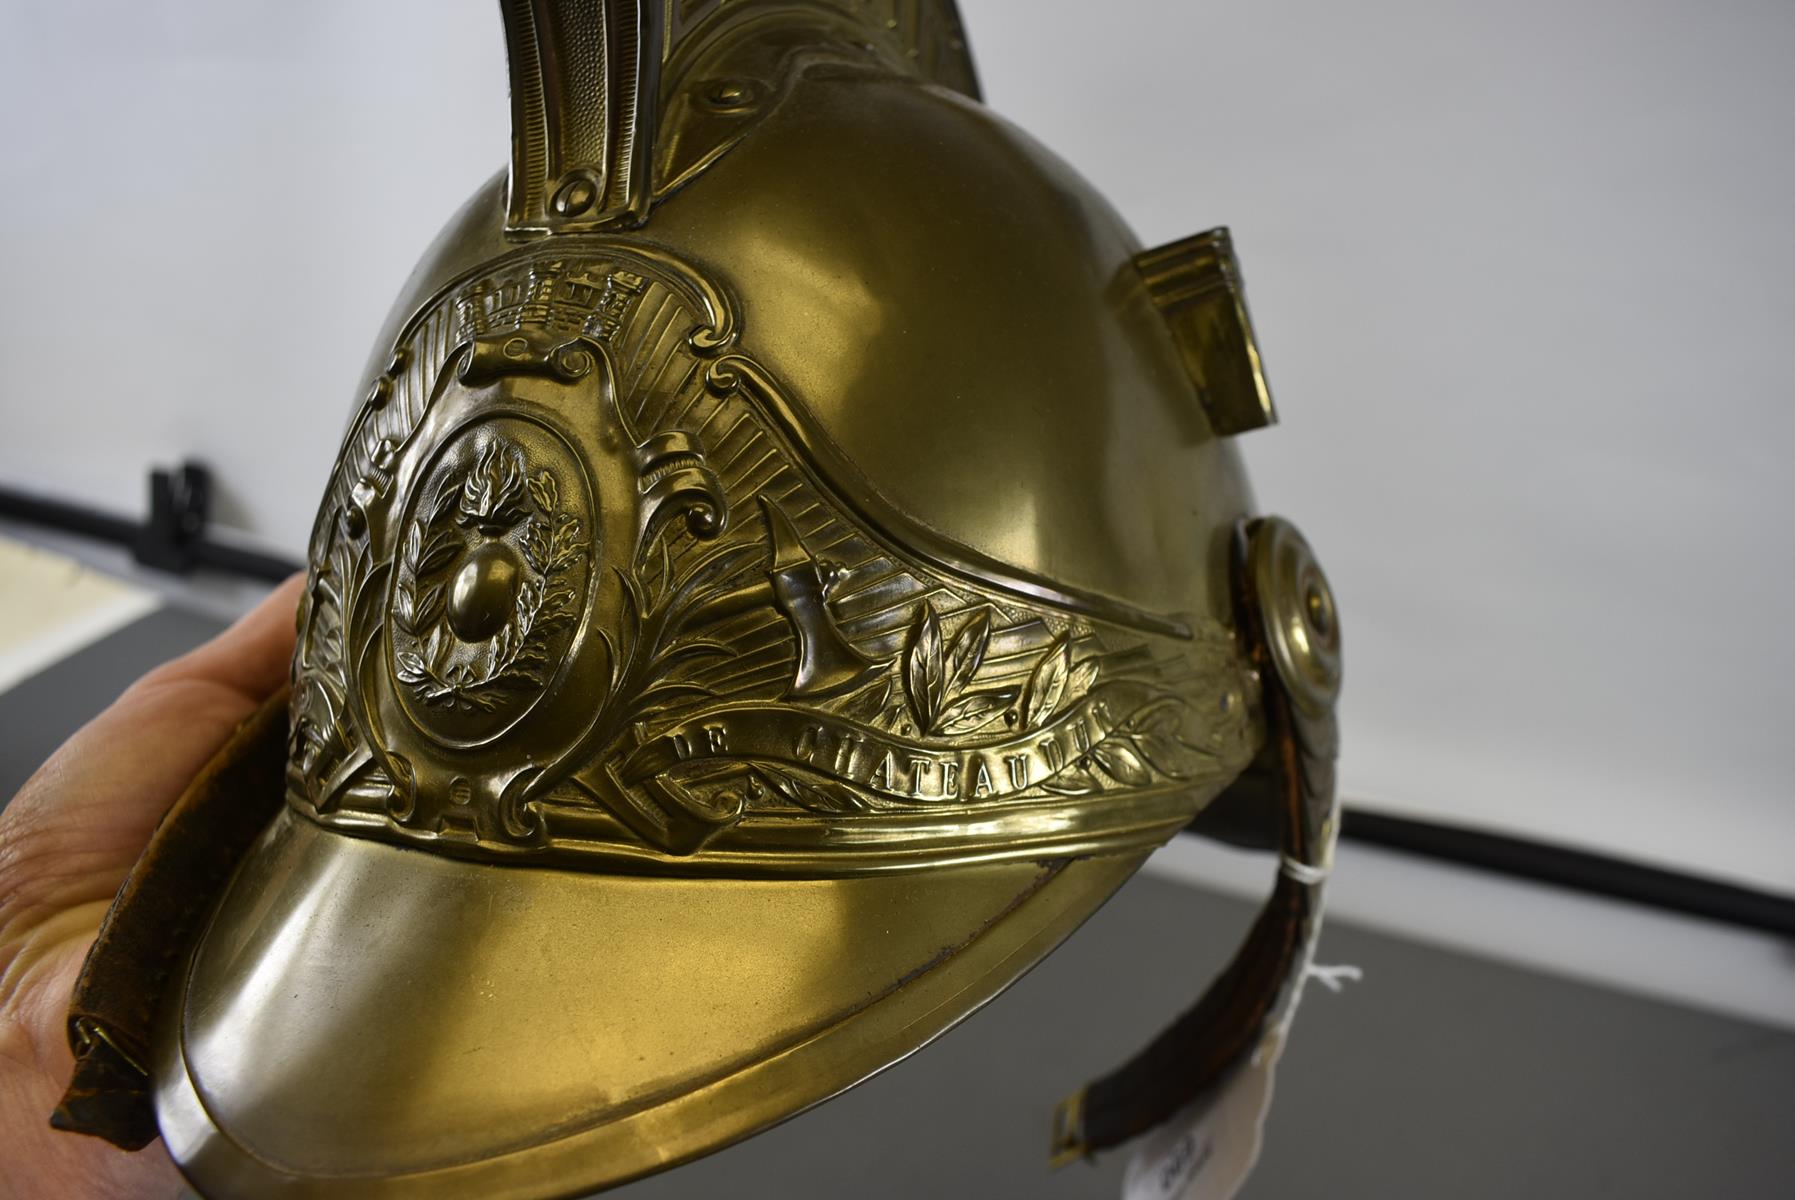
72, 518
175, 542
1579, 869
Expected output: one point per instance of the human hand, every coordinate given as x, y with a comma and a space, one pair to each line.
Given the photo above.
67, 841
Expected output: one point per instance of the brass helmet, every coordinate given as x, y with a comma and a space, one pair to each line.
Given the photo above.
787, 569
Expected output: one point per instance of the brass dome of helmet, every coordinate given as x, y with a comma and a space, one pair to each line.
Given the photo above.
961, 324
786, 571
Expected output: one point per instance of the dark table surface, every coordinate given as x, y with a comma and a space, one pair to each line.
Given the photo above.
1440, 1075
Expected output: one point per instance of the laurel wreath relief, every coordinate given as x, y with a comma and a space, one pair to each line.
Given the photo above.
487, 500
938, 674
936, 693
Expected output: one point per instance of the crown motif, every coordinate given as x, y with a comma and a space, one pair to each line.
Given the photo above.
551, 299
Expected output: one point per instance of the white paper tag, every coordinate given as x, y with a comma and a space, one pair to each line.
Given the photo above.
1207, 1151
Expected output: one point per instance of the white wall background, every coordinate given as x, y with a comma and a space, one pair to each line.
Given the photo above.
1524, 274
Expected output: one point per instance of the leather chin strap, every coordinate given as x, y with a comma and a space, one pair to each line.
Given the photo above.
1279, 590
152, 919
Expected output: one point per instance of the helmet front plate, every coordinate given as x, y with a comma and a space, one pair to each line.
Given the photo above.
579, 592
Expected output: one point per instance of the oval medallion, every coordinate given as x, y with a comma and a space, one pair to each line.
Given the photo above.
491, 580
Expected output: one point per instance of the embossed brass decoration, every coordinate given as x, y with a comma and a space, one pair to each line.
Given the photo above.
536, 557
781, 576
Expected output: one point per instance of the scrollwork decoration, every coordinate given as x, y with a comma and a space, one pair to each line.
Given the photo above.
320, 733
648, 649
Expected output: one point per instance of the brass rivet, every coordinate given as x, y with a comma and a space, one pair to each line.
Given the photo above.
728, 93
1320, 612
575, 197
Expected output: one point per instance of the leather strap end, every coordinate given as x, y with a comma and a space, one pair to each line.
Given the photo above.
1294, 779
151, 922
109, 1096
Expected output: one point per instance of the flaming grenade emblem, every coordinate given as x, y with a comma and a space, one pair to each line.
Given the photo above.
487, 583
